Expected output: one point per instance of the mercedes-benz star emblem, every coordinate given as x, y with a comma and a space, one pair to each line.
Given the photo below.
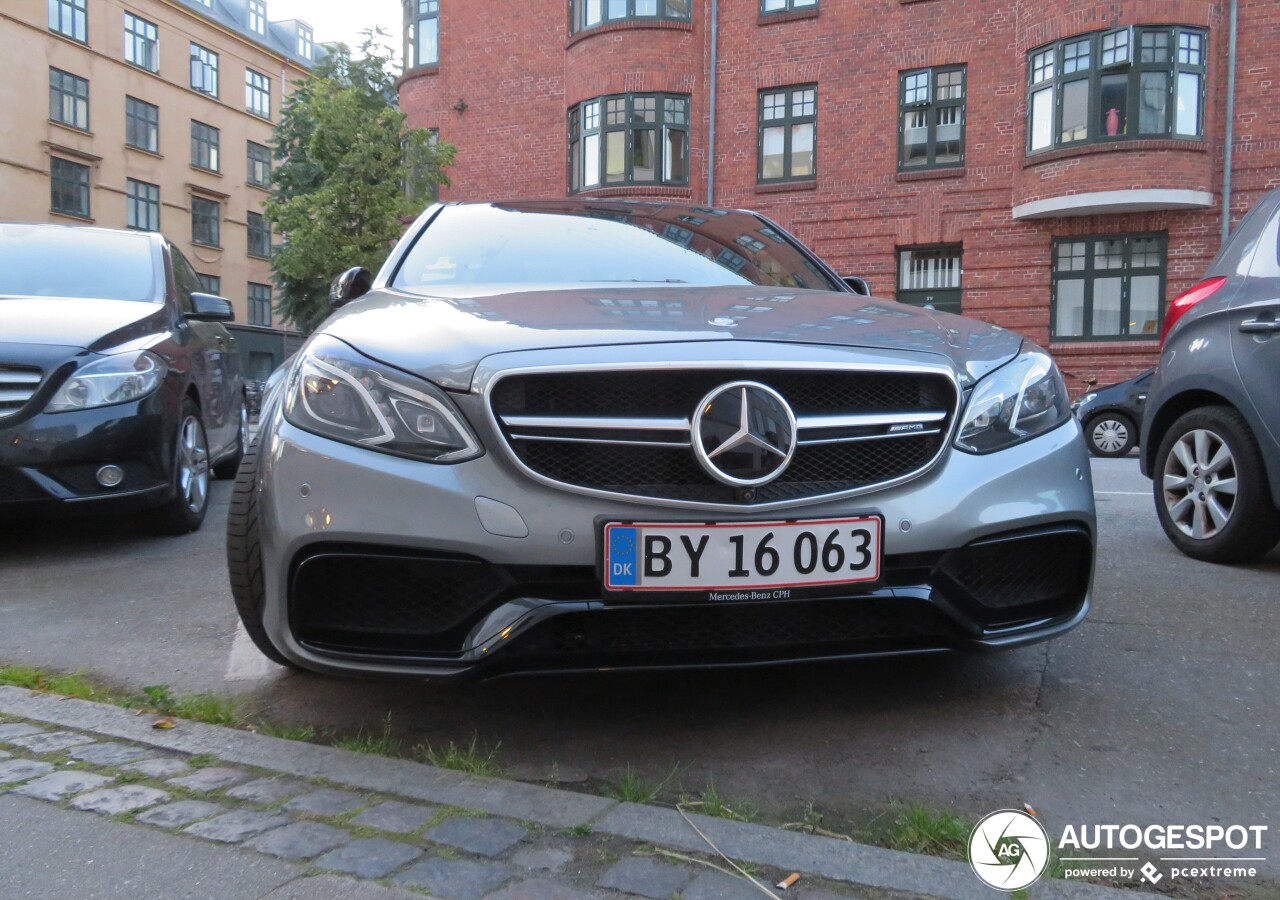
744, 434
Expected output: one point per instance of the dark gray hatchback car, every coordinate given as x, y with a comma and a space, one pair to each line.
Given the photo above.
1211, 438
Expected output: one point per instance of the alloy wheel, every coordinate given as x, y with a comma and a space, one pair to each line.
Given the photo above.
1199, 483
193, 465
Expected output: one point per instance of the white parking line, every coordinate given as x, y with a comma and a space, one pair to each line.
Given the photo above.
1126, 493
246, 662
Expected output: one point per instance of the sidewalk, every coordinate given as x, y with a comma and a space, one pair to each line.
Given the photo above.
95, 803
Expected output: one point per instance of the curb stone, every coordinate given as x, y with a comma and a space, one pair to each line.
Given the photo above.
815, 857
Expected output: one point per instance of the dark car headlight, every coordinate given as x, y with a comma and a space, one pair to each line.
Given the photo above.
1018, 401
339, 393
111, 380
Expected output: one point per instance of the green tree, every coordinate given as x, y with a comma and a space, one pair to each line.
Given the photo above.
348, 173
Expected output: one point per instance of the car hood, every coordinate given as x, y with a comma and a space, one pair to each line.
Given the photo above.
444, 339
75, 321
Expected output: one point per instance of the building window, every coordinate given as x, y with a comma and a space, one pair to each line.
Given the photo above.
259, 236
778, 6
204, 146
206, 222
788, 134
142, 202
257, 93
259, 161
424, 34
204, 70
257, 16
260, 304
1126, 84
70, 19
304, 42
590, 13
629, 139
140, 44
141, 125
70, 187
931, 118
68, 99
1108, 287
417, 169
930, 276
210, 284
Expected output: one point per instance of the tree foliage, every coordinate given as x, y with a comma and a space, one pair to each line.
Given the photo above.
348, 171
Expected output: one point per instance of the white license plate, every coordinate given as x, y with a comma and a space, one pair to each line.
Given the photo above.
655, 556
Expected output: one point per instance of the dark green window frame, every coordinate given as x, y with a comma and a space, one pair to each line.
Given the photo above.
259, 304
142, 205
1108, 276
619, 139
426, 33
141, 43
68, 99
206, 222
931, 116
786, 6
68, 187
785, 113
204, 146
585, 14
259, 236
930, 275
1117, 85
258, 163
69, 18
257, 93
204, 70
141, 125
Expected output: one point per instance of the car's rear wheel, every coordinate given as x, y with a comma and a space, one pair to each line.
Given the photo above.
1110, 434
1211, 488
244, 556
184, 511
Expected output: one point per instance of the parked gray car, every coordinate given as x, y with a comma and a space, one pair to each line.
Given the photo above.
1211, 438
571, 435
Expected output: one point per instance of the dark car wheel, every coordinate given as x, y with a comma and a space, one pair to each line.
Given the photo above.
184, 511
1211, 489
1110, 434
231, 465
244, 556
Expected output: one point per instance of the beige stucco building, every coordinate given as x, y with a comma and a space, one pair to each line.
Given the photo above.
154, 114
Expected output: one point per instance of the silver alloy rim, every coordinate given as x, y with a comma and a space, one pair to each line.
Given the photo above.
193, 465
1110, 435
1200, 484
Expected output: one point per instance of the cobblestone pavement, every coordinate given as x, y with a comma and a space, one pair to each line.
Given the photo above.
330, 823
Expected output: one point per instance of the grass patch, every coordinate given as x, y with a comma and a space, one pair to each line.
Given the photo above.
469, 757
582, 829
711, 803
376, 744
917, 829
207, 708
631, 788
304, 733
70, 685
202, 761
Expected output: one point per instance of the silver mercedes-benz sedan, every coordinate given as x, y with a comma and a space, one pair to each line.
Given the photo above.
570, 435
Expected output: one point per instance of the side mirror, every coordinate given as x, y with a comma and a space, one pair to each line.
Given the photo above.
208, 308
350, 285
857, 284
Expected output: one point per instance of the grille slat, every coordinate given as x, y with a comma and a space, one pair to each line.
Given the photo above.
595, 429
17, 386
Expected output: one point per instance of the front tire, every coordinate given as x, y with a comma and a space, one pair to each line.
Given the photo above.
1110, 435
1211, 490
244, 556
184, 512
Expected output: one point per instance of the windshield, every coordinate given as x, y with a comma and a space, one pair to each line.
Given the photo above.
539, 245
56, 261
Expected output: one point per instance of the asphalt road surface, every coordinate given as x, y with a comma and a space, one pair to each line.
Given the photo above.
1163, 708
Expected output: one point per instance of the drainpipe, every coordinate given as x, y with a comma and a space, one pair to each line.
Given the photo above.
1231, 119
711, 138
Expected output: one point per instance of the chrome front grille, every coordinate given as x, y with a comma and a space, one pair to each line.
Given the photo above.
17, 385
627, 432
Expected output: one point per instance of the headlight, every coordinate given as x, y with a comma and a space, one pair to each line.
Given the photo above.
1016, 402
338, 393
114, 379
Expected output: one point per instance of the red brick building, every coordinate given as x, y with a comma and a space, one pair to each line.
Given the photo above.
1054, 166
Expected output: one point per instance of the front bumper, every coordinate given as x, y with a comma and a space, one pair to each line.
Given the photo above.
49, 461
380, 565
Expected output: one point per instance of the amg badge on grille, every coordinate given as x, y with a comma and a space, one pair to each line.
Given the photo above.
744, 434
